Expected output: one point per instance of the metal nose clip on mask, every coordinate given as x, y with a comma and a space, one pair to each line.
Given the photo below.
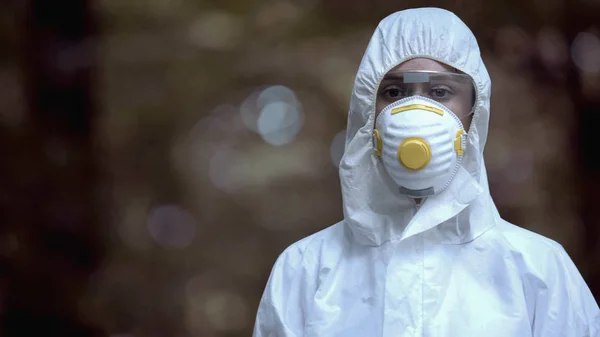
420, 143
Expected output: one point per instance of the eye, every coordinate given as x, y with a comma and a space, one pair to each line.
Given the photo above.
440, 93
393, 93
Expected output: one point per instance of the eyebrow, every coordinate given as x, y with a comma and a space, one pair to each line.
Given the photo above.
392, 77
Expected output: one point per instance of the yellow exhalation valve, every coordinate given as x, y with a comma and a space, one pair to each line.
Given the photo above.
414, 153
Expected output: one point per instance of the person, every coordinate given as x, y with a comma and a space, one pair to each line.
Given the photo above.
422, 249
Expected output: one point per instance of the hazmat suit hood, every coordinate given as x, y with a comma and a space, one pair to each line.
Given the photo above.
374, 209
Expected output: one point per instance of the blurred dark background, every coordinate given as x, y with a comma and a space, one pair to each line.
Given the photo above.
158, 155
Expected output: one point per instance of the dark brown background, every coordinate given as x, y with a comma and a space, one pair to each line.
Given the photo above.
136, 200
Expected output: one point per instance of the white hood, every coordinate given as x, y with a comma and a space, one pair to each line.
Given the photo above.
373, 207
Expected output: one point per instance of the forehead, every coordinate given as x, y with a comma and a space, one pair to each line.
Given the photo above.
422, 64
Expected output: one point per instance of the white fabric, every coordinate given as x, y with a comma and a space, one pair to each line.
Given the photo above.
439, 132
451, 268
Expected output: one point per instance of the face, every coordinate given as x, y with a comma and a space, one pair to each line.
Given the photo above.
457, 95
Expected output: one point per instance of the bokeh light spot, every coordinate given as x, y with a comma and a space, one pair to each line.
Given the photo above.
171, 226
249, 111
220, 168
279, 123
585, 52
226, 311
274, 113
277, 93
553, 49
215, 30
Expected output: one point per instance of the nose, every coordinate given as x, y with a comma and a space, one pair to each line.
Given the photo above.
421, 89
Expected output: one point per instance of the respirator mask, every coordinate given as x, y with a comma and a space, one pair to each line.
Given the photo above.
420, 136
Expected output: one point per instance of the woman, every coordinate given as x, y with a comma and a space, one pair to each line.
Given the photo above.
422, 250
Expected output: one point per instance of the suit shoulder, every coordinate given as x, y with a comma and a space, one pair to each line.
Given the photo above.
526, 241
305, 249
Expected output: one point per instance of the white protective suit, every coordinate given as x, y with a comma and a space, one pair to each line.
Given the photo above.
451, 267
